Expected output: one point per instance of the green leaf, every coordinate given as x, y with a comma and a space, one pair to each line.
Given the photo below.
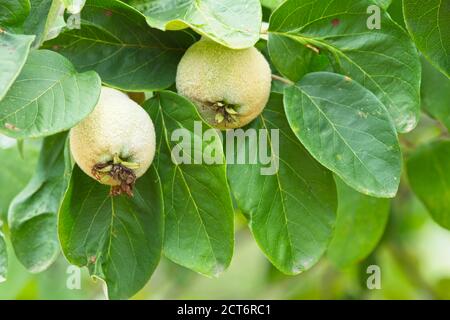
271, 4
384, 61
291, 213
429, 176
74, 6
435, 93
16, 172
118, 238
32, 214
199, 213
115, 40
48, 97
13, 12
395, 10
232, 23
14, 50
3, 256
360, 224
43, 15
428, 22
384, 4
348, 130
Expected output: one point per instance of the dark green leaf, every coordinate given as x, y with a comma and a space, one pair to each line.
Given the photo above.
291, 212
435, 93
3, 256
49, 96
385, 61
198, 208
359, 226
16, 173
14, 50
13, 12
115, 40
32, 214
347, 129
428, 22
232, 23
118, 238
429, 175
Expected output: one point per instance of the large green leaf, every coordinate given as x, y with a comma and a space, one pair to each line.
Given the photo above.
232, 23
13, 12
115, 40
17, 170
359, 226
435, 93
347, 129
14, 50
3, 256
198, 208
49, 96
429, 175
385, 61
428, 21
118, 238
43, 16
32, 214
291, 211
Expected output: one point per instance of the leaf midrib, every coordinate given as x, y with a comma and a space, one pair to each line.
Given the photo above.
339, 134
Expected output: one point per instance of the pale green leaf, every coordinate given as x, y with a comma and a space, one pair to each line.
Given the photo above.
271, 4
14, 50
74, 6
48, 97
232, 23
198, 209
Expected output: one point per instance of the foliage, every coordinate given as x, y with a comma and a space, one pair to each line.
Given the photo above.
345, 100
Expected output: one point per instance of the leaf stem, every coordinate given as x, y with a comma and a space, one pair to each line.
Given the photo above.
281, 79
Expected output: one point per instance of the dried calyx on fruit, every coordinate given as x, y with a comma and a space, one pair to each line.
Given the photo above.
229, 87
115, 144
